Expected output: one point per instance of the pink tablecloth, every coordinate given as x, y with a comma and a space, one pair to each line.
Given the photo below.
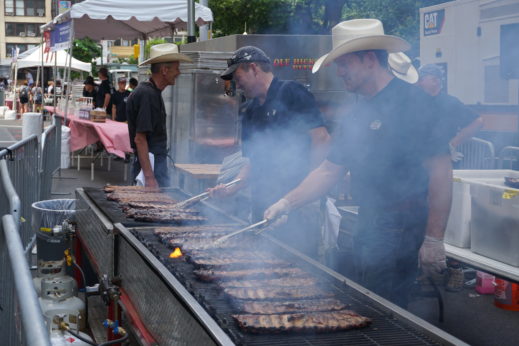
112, 134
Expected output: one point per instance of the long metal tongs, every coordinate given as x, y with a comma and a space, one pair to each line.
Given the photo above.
201, 196
226, 237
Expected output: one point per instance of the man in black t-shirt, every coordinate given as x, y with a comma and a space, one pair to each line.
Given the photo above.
146, 114
456, 120
90, 89
388, 144
119, 98
104, 92
283, 136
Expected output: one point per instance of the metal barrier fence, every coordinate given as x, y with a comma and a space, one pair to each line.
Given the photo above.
509, 158
21, 319
477, 154
50, 157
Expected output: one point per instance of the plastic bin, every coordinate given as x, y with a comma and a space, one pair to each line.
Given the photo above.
457, 232
46, 215
494, 224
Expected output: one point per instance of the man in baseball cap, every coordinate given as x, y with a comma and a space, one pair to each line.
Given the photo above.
283, 136
388, 145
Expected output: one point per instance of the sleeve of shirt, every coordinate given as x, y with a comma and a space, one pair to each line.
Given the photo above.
429, 138
143, 121
303, 106
464, 114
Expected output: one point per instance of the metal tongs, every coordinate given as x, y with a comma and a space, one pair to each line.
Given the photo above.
226, 237
201, 196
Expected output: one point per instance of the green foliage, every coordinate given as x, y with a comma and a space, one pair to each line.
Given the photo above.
86, 49
400, 17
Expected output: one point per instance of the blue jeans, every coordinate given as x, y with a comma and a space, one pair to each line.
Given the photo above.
385, 247
160, 169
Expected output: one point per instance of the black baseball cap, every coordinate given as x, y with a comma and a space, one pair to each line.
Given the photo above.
244, 54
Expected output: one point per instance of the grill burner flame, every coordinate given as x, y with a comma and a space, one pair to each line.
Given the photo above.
176, 253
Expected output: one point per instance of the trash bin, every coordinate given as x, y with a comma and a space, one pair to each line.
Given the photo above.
47, 218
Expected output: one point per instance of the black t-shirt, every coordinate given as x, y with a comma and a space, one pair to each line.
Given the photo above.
119, 101
92, 94
276, 139
104, 88
454, 115
384, 142
146, 113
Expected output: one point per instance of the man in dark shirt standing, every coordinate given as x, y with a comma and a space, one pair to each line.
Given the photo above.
119, 99
283, 136
386, 143
104, 92
146, 114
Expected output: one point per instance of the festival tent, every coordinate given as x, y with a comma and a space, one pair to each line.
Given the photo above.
129, 19
32, 58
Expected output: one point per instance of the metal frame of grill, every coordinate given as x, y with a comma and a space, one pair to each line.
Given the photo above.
176, 314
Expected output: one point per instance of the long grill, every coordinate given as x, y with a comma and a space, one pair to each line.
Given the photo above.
179, 309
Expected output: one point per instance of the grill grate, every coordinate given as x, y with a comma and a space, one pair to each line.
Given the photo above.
384, 330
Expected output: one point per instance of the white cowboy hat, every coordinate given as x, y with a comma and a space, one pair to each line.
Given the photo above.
402, 67
360, 34
165, 52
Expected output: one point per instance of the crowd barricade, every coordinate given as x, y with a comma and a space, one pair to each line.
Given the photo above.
509, 158
477, 154
21, 318
50, 157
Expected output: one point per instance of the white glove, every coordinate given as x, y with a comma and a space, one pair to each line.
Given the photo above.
278, 212
432, 256
455, 155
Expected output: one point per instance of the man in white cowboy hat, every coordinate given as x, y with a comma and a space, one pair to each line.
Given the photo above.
283, 136
388, 145
147, 115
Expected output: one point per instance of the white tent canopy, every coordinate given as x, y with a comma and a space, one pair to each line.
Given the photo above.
129, 19
32, 58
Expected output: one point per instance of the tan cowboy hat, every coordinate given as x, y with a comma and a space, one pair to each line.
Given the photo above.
360, 34
402, 67
165, 52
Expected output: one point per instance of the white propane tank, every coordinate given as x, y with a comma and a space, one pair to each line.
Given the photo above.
59, 337
48, 269
59, 294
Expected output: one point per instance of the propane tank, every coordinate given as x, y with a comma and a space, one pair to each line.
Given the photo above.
59, 337
48, 269
59, 294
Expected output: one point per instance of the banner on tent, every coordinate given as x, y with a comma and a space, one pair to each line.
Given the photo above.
60, 36
46, 39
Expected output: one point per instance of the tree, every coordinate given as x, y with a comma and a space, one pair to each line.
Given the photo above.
86, 50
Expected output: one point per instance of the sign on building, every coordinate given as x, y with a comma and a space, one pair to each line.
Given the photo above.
433, 22
64, 6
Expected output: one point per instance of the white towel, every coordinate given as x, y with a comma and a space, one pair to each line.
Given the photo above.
330, 229
140, 180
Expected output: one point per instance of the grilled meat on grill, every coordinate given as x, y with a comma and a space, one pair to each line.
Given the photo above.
179, 217
145, 197
157, 206
233, 255
256, 273
131, 212
127, 189
301, 322
284, 282
290, 306
306, 292
194, 229
240, 262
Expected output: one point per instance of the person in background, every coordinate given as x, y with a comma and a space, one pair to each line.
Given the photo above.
146, 114
37, 97
29, 78
50, 88
283, 136
90, 89
104, 92
459, 121
119, 99
388, 144
133, 84
24, 98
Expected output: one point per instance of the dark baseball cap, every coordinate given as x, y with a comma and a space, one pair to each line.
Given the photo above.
244, 54
432, 70
89, 81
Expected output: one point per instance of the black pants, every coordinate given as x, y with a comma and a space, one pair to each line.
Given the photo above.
386, 245
160, 169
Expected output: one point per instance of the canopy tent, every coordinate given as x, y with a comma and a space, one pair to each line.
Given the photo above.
129, 19
32, 58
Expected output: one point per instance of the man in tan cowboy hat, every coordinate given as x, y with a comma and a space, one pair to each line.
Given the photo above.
147, 115
388, 146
